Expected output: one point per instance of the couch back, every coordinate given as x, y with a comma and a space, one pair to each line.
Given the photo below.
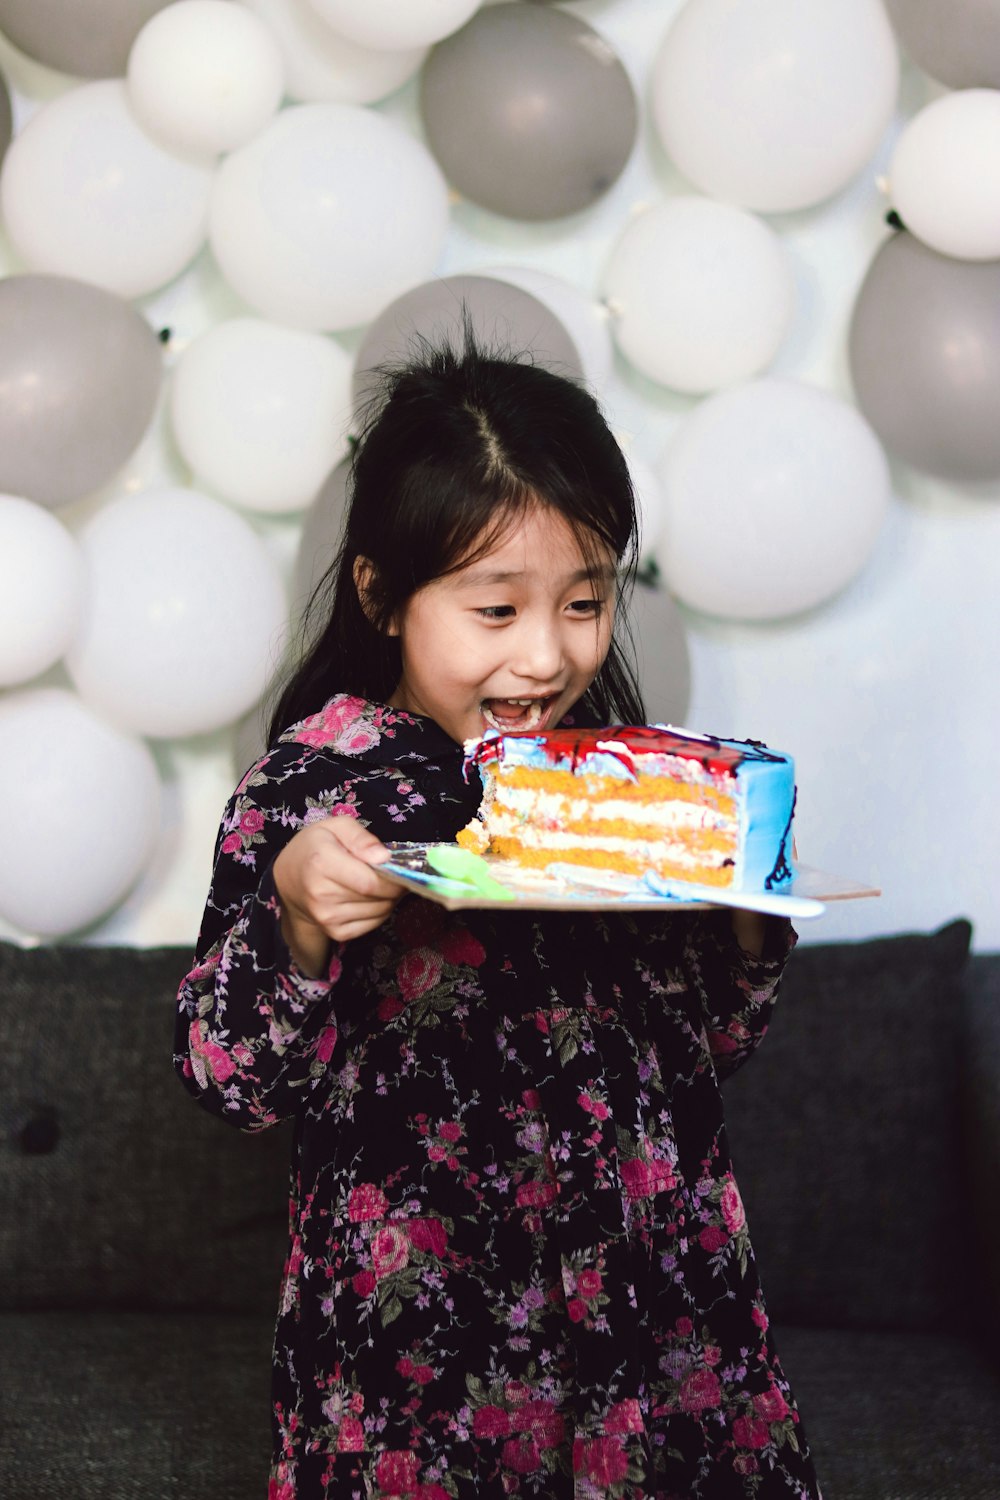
116, 1188
847, 1135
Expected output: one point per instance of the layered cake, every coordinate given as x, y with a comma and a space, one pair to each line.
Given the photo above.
638, 799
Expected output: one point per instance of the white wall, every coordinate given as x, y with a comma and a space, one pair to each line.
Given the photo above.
887, 697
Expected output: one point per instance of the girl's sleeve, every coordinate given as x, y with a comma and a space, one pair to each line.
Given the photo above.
736, 989
253, 1031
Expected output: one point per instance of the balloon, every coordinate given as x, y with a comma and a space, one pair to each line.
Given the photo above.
775, 495
664, 666
502, 315
701, 294
941, 161
529, 112
80, 811
41, 589
261, 413
6, 117
649, 501
925, 358
86, 193
322, 67
776, 105
955, 41
204, 76
183, 614
585, 320
327, 215
395, 23
80, 371
88, 41
320, 537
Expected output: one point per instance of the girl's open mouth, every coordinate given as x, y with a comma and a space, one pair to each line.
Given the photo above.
515, 713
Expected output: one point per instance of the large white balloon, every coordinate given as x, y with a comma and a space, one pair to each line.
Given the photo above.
584, 319
701, 294
79, 808
323, 67
396, 23
86, 193
183, 617
940, 171
774, 495
649, 501
204, 76
41, 589
327, 216
775, 105
261, 413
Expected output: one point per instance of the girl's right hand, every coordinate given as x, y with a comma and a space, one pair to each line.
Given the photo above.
330, 888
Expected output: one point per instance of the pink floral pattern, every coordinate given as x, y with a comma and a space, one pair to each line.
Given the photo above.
519, 1263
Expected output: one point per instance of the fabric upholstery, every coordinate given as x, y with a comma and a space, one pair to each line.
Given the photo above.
846, 1136
124, 1193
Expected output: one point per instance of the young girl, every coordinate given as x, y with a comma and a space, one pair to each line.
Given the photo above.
519, 1262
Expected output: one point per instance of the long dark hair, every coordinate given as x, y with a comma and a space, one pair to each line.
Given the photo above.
456, 445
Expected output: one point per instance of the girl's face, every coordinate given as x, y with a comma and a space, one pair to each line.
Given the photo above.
512, 640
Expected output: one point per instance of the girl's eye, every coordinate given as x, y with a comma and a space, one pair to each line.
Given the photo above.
587, 606
496, 611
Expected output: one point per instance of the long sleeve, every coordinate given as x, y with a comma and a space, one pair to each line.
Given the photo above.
253, 1032
736, 989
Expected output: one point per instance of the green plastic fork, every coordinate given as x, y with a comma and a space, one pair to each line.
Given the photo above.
471, 869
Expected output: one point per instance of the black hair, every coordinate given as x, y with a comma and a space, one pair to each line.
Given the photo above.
457, 444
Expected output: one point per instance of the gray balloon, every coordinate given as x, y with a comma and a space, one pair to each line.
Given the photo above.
661, 653
924, 350
320, 538
955, 41
502, 316
6, 117
80, 371
89, 40
528, 111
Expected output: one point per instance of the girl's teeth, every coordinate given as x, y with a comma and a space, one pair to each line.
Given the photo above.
531, 716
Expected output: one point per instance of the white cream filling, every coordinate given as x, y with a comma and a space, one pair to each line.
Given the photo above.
555, 807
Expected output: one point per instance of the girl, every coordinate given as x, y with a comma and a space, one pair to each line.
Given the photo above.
519, 1262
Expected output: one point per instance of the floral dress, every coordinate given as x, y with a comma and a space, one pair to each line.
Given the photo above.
518, 1258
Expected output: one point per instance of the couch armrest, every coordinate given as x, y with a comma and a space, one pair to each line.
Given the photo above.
981, 1110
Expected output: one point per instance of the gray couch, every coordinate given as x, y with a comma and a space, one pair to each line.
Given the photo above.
141, 1241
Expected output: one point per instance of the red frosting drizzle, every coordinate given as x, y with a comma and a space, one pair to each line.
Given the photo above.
625, 741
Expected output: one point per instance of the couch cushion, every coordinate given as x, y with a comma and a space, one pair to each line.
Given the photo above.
845, 1134
132, 1404
116, 1188
896, 1416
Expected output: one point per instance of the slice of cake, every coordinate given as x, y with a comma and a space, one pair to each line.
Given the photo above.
637, 799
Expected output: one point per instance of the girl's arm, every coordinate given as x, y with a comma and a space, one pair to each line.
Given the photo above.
256, 1020
735, 960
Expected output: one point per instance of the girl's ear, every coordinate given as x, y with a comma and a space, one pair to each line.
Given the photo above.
364, 579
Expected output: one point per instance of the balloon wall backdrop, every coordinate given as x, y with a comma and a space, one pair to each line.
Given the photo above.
761, 234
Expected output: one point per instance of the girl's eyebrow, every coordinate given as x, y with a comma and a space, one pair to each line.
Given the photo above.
476, 579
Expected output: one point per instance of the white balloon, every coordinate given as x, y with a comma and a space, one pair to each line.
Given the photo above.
650, 502
775, 105
322, 67
183, 616
86, 193
204, 76
775, 494
396, 23
261, 413
327, 216
701, 294
584, 319
41, 589
79, 808
944, 172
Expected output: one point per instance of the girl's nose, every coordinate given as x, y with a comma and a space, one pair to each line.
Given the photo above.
539, 657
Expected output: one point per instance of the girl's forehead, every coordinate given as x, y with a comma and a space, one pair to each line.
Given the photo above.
538, 541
